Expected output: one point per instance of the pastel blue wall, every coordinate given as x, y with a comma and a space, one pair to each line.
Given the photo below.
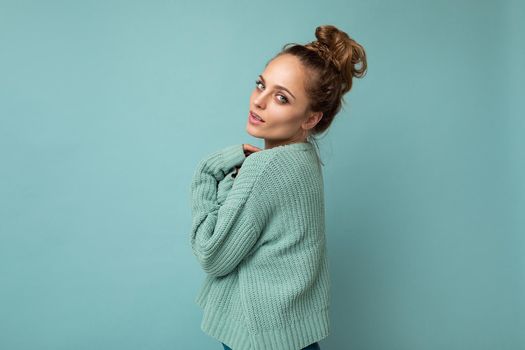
106, 107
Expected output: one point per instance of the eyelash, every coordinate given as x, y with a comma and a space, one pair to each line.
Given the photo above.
259, 81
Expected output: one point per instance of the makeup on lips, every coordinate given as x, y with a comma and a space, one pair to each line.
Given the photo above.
253, 119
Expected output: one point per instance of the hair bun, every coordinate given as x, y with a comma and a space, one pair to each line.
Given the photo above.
341, 51
323, 49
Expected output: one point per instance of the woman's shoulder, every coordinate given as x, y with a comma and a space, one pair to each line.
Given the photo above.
291, 161
291, 152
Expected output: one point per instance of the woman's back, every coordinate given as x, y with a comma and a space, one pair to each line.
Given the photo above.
262, 241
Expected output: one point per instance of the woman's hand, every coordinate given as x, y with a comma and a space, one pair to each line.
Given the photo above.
248, 149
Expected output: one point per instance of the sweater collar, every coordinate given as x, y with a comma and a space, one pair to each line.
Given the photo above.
293, 146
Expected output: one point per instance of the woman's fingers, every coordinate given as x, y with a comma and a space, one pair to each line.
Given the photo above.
249, 149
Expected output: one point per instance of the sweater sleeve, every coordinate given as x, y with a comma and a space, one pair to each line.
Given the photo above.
223, 187
222, 234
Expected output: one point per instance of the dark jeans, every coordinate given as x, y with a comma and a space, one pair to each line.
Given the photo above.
314, 346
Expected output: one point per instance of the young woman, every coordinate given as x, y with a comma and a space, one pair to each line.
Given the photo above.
258, 227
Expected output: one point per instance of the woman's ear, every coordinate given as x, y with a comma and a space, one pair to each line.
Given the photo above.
312, 120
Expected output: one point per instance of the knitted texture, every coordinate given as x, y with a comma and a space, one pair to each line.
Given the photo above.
260, 238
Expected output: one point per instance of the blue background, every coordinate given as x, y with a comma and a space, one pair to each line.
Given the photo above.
107, 106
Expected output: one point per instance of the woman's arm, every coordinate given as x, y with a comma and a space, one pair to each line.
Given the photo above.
223, 234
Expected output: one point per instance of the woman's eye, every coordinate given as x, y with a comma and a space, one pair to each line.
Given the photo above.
284, 98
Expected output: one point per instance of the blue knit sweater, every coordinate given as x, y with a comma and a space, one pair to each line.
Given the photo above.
260, 238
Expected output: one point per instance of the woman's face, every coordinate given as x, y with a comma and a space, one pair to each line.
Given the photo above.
279, 98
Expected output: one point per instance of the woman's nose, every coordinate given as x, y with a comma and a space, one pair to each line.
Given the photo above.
259, 101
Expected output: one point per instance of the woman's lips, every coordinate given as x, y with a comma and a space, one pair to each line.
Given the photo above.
254, 120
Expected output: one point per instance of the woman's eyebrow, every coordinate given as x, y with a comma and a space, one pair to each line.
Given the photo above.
278, 86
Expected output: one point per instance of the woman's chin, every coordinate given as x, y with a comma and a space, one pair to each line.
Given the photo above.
252, 131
